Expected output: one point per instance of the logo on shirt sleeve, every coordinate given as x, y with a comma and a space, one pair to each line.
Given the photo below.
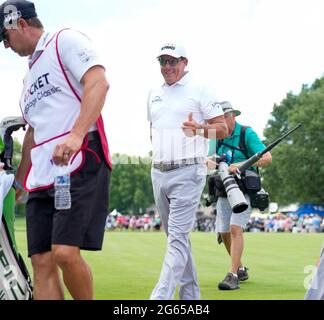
87, 55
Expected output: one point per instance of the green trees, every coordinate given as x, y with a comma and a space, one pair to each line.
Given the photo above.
130, 185
297, 171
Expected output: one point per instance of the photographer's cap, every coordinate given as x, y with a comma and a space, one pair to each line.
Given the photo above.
12, 10
227, 107
173, 50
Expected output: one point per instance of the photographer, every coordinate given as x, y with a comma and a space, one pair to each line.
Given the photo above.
241, 143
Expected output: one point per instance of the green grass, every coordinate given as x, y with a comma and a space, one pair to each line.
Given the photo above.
129, 265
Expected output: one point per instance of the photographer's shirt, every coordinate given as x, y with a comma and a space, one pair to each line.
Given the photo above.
252, 142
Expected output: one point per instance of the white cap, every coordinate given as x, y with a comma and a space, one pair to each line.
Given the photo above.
173, 50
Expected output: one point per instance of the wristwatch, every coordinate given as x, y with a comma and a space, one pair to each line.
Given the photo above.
17, 185
200, 132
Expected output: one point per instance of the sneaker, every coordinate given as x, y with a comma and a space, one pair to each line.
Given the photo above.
229, 283
242, 273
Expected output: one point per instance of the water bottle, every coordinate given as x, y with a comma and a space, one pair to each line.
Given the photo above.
62, 183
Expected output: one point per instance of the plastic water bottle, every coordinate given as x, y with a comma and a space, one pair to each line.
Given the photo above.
62, 184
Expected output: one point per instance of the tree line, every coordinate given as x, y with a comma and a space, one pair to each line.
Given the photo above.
296, 174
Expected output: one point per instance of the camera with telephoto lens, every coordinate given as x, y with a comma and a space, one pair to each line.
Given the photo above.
223, 184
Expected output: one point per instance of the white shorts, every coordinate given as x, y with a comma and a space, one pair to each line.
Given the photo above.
225, 216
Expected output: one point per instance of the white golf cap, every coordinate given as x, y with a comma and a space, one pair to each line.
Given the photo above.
173, 50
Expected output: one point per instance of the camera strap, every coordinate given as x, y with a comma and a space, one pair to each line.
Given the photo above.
242, 146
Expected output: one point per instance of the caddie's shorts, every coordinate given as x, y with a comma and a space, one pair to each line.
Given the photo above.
225, 216
81, 226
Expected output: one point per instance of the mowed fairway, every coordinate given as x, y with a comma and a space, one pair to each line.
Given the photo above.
130, 263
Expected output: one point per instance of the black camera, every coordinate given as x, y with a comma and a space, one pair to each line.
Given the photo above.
260, 200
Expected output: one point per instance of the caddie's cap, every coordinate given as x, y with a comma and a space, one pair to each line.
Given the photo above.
12, 10
227, 107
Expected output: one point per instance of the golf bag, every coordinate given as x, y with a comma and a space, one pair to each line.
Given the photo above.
15, 281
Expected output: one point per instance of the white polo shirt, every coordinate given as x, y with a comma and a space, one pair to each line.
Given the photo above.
168, 107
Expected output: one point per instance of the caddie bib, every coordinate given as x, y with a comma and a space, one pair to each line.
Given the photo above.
50, 104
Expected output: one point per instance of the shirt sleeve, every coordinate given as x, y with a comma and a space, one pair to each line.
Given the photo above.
209, 104
77, 53
253, 142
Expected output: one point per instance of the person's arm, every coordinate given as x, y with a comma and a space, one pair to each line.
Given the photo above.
214, 125
254, 145
215, 128
265, 160
25, 161
93, 99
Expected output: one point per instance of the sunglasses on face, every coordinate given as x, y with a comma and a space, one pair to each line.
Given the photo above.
229, 115
171, 61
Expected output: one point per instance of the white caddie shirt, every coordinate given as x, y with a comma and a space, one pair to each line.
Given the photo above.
168, 107
46, 98
50, 100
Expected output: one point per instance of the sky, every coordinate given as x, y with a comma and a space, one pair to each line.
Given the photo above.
253, 52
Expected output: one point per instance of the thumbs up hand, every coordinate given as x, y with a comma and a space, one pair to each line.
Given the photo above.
190, 126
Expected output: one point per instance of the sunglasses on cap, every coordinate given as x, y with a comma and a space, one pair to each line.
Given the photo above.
171, 61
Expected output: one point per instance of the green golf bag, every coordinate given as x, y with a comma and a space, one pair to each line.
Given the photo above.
15, 281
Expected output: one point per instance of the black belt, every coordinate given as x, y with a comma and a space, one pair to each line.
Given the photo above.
172, 165
93, 135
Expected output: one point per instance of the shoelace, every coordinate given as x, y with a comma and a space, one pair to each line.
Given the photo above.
229, 277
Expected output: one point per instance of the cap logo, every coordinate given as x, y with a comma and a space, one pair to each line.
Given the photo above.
168, 47
11, 17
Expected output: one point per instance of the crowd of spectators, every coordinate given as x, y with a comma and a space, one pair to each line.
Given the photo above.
133, 222
262, 223
287, 223
271, 223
